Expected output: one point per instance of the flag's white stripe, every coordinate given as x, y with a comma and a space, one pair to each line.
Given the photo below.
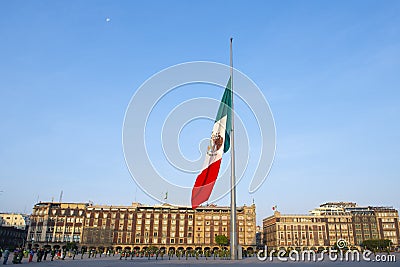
219, 126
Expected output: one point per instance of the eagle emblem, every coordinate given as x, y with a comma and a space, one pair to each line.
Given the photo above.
216, 142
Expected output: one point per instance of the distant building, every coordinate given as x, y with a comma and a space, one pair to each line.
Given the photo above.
17, 220
364, 224
56, 223
388, 223
259, 238
331, 222
295, 231
12, 237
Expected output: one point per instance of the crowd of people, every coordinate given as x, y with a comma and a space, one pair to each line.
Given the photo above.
43, 254
5, 254
18, 255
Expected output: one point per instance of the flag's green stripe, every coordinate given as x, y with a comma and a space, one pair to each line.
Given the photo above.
225, 109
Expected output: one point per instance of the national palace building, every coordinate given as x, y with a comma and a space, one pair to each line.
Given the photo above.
138, 226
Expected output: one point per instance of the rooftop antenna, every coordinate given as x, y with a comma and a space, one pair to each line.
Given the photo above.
61, 195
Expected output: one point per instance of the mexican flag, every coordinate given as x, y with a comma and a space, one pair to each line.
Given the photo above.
219, 144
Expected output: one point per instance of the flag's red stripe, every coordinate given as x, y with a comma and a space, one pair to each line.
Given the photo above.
204, 183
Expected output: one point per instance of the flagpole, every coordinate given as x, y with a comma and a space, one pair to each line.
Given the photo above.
233, 235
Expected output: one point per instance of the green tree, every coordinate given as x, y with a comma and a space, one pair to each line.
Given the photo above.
221, 240
71, 245
376, 244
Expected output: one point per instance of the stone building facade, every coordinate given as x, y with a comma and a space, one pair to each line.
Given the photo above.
328, 224
164, 226
16, 220
388, 223
138, 226
296, 231
56, 223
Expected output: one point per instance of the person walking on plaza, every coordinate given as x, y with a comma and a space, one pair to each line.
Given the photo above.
26, 253
6, 254
39, 255
17, 256
20, 255
126, 254
31, 253
46, 251
52, 254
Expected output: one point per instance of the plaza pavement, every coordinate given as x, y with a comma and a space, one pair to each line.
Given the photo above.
253, 261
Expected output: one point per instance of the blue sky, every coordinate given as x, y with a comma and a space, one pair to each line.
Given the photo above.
329, 70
